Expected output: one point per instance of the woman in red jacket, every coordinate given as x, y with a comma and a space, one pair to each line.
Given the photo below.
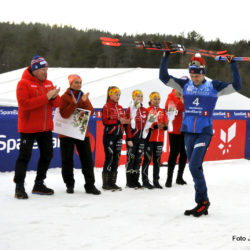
113, 118
175, 108
135, 142
154, 142
74, 98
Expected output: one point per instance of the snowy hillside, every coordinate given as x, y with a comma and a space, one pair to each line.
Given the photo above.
97, 80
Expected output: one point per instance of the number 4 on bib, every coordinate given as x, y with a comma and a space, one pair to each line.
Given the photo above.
196, 101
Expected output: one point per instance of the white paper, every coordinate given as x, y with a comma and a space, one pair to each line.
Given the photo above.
75, 126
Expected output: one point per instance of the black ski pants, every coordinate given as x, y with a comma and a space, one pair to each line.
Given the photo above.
112, 147
44, 141
67, 145
134, 155
177, 147
155, 149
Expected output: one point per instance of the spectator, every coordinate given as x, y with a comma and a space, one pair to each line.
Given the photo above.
74, 98
36, 97
175, 107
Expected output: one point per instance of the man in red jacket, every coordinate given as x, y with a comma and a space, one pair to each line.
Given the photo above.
36, 97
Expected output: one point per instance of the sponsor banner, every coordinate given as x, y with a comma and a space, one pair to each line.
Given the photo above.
10, 143
231, 114
228, 141
231, 140
247, 147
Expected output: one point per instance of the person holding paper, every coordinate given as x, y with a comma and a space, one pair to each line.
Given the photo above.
135, 141
175, 107
74, 98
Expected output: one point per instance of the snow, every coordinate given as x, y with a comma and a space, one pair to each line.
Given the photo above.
97, 80
130, 219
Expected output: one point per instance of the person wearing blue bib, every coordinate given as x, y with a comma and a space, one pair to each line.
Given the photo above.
200, 97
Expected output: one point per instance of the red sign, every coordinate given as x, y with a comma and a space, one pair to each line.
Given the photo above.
228, 141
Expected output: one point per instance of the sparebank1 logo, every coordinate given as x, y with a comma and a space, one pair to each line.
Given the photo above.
226, 138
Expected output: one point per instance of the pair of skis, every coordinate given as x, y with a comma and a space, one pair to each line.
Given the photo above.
168, 46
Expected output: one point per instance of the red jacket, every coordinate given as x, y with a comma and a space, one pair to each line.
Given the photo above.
175, 101
157, 134
111, 114
34, 108
140, 121
67, 106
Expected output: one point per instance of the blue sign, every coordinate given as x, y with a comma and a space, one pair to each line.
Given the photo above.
10, 141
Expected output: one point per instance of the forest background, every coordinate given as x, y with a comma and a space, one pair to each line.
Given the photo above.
65, 46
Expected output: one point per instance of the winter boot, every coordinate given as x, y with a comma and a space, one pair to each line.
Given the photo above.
136, 177
156, 184
40, 188
92, 190
20, 191
200, 209
106, 180
147, 185
114, 187
130, 182
168, 183
70, 189
170, 176
179, 179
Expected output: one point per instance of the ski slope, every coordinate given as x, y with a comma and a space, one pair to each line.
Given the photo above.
130, 219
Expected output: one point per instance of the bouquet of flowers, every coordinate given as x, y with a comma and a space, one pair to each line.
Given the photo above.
134, 106
80, 119
172, 112
150, 120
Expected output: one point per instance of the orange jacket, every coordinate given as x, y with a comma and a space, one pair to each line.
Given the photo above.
157, 134
67, 106
34, 108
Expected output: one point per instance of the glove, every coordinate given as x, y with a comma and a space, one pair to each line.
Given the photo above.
166, 53
230, 58
173, 49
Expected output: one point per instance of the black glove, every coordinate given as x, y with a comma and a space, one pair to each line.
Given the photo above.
173, 48
156, 126
230, 58
166, 53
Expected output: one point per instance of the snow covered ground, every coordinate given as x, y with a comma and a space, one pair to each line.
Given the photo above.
130, 219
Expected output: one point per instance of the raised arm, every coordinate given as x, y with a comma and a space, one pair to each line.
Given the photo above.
225, 88
176, 83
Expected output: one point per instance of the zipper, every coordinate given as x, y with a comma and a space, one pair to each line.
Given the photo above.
45, 120
157, 124
194, 124
141, 122
118, 118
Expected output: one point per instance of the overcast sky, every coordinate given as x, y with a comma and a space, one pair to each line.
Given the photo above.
223, 19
